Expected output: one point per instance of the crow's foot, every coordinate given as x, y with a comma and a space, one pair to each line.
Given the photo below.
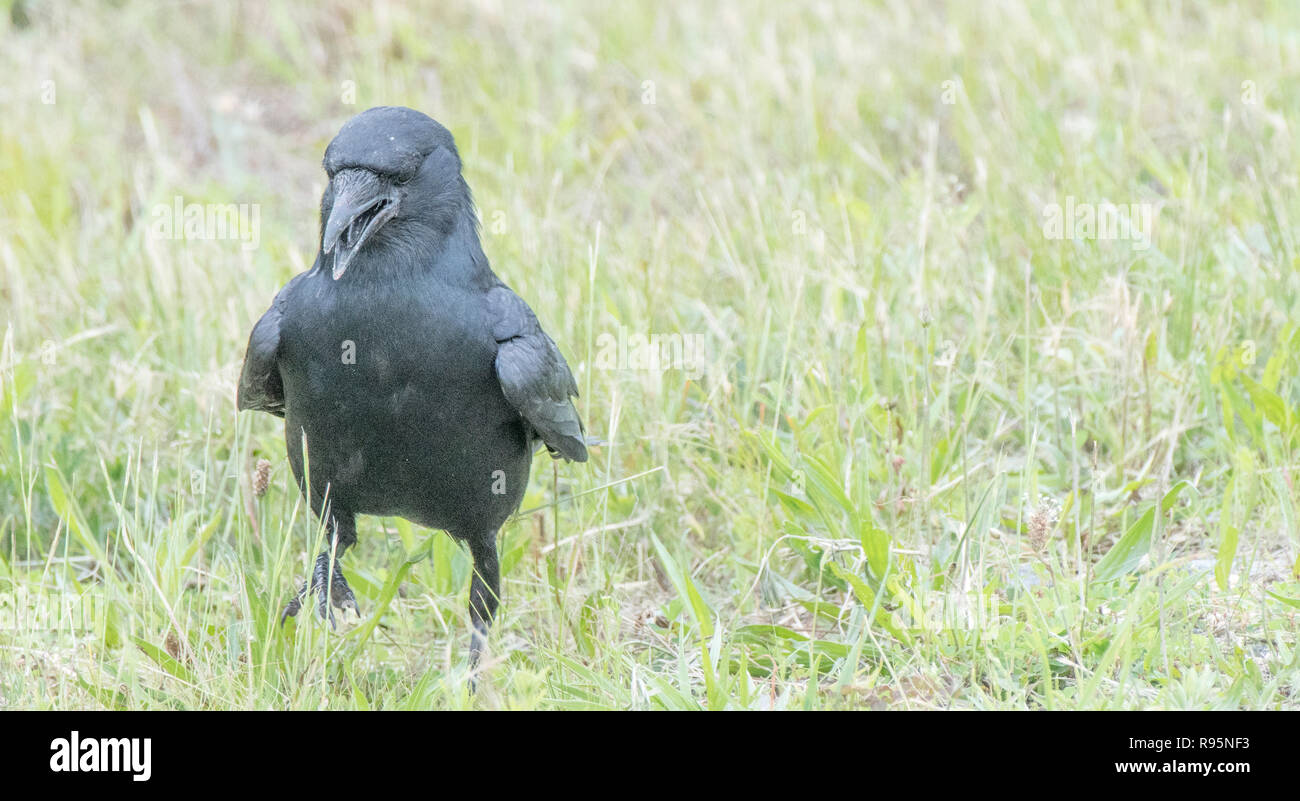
339, 594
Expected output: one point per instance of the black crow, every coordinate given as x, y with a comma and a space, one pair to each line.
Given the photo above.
411, 380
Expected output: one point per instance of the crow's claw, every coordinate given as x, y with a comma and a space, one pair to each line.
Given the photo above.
339, 595
294, 606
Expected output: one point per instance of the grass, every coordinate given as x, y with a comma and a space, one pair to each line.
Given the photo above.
931, 457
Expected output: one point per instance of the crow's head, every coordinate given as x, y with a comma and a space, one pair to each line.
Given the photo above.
394, 172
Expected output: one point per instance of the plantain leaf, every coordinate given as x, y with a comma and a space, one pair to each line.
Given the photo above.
1227, 540
1124, 555
685, 588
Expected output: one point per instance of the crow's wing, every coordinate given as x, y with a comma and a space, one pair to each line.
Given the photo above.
534, 376
260, 387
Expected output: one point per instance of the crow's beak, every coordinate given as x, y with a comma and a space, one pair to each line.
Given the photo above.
363, 202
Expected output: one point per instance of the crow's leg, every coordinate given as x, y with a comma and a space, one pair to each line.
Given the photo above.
327, 581
484, 591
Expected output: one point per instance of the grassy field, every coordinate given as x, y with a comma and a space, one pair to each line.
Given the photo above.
946, 356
